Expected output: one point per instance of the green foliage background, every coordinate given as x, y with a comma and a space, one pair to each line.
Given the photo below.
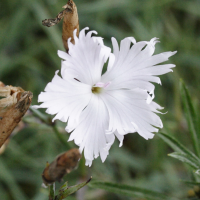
28, 58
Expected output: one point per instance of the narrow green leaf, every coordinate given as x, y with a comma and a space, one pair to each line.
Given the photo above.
197, 172
186, 159
177, 146
66, 191
64, 186
130, 191
191, 183
190, 116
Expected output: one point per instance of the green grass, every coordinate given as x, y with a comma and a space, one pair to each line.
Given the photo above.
28, 58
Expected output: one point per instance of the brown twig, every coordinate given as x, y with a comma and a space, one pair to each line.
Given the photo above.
13, 106
70, 22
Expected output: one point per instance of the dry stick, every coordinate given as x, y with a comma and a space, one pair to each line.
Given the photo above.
70, 22
13, 106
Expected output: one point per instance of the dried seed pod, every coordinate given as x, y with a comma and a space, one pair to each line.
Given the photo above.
70, 22
13, 106
63, 164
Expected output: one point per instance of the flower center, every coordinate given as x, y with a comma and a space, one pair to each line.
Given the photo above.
96, 90
98, 87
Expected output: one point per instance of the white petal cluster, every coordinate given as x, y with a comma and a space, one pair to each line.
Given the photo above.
98, 108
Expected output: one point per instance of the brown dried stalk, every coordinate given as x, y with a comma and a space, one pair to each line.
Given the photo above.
13, 106
70, 22
63, 164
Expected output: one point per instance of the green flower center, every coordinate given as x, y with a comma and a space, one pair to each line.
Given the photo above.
96, 90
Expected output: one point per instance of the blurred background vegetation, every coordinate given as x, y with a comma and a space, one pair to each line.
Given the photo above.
28, 58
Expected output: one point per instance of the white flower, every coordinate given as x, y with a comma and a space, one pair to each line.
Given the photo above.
99, 107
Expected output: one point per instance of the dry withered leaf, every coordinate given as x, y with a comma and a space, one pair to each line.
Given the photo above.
70, 22
13, 105
63, 164
3, 147
52, 22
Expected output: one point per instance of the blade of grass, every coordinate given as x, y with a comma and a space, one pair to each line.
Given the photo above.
191, 183
191, 116
130, 191
186, 159
177, 146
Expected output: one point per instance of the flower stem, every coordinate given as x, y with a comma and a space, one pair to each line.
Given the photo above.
44, 118
61, 137
47, 120
52, 191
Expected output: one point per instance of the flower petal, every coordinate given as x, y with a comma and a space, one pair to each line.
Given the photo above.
129, 112
90, 132
65, 98
136, 64
86, 58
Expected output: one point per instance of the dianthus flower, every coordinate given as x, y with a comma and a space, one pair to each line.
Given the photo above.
99, 107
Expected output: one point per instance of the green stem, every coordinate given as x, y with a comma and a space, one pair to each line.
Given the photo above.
44, 118
47, 120
82, 167
52, 191
61, 137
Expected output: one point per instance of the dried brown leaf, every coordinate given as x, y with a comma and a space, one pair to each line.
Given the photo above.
52, 22
13, 106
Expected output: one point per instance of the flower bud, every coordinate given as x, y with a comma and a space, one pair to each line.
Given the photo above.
63, 164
